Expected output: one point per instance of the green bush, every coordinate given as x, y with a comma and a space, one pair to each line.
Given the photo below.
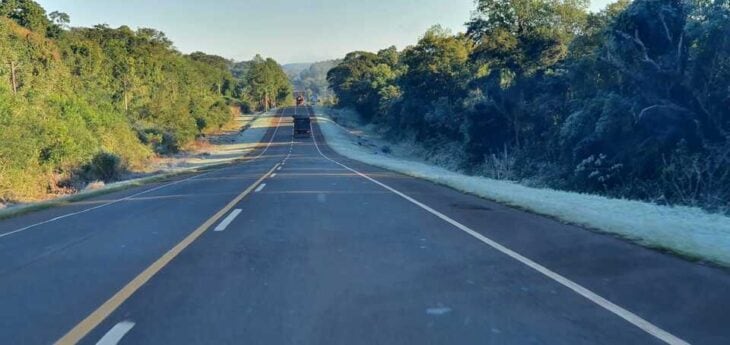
105, 166
169, 144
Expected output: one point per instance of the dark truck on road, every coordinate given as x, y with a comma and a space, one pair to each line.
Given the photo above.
301, 122
302, 125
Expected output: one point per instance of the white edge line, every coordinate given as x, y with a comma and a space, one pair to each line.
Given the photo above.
632, 318
5, 234
272, 175
99, 206
116, 333
260, 187
228, 220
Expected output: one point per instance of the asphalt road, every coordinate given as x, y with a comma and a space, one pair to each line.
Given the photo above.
298, 245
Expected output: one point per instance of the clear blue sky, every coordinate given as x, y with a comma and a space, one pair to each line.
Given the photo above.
289, 31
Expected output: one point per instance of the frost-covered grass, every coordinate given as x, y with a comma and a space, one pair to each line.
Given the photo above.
684, 230
447, 155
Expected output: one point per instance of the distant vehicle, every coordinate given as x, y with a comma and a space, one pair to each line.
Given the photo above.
302, 125
300, 97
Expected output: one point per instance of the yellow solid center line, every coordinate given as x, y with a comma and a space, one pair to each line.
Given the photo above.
94, 319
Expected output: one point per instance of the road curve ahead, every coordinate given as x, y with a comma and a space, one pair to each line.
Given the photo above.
298, 245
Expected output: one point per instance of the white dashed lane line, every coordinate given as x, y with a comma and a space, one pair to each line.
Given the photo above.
224, 224
116, 333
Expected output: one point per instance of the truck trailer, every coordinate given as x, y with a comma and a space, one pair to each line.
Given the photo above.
302, 126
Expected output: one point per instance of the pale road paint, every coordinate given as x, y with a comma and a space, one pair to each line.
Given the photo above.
95, 318
114, 335
278, 169
438, 311
272, 175
83, 328
260, 187
632, 318
97, 207
137, 194
226, 222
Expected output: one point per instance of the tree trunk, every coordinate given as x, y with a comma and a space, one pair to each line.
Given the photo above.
13, 80
516, 125
126, 101
125, 92
517, 116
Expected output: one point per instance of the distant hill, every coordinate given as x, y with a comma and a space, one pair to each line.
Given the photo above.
294, 69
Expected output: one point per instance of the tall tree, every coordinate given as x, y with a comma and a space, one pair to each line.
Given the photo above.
27, 13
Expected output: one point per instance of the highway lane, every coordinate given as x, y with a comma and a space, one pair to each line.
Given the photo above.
322, 255
684, 297
54, 274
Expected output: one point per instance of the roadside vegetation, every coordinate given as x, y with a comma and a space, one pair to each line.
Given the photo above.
85, 104
631, 102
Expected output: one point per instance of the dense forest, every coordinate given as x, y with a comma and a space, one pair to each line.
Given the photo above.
82, 104
632, 101
262, 84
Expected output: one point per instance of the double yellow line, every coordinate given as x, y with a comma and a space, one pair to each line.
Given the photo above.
94, 319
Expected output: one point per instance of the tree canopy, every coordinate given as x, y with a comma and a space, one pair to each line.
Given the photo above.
71, 97
632, 101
